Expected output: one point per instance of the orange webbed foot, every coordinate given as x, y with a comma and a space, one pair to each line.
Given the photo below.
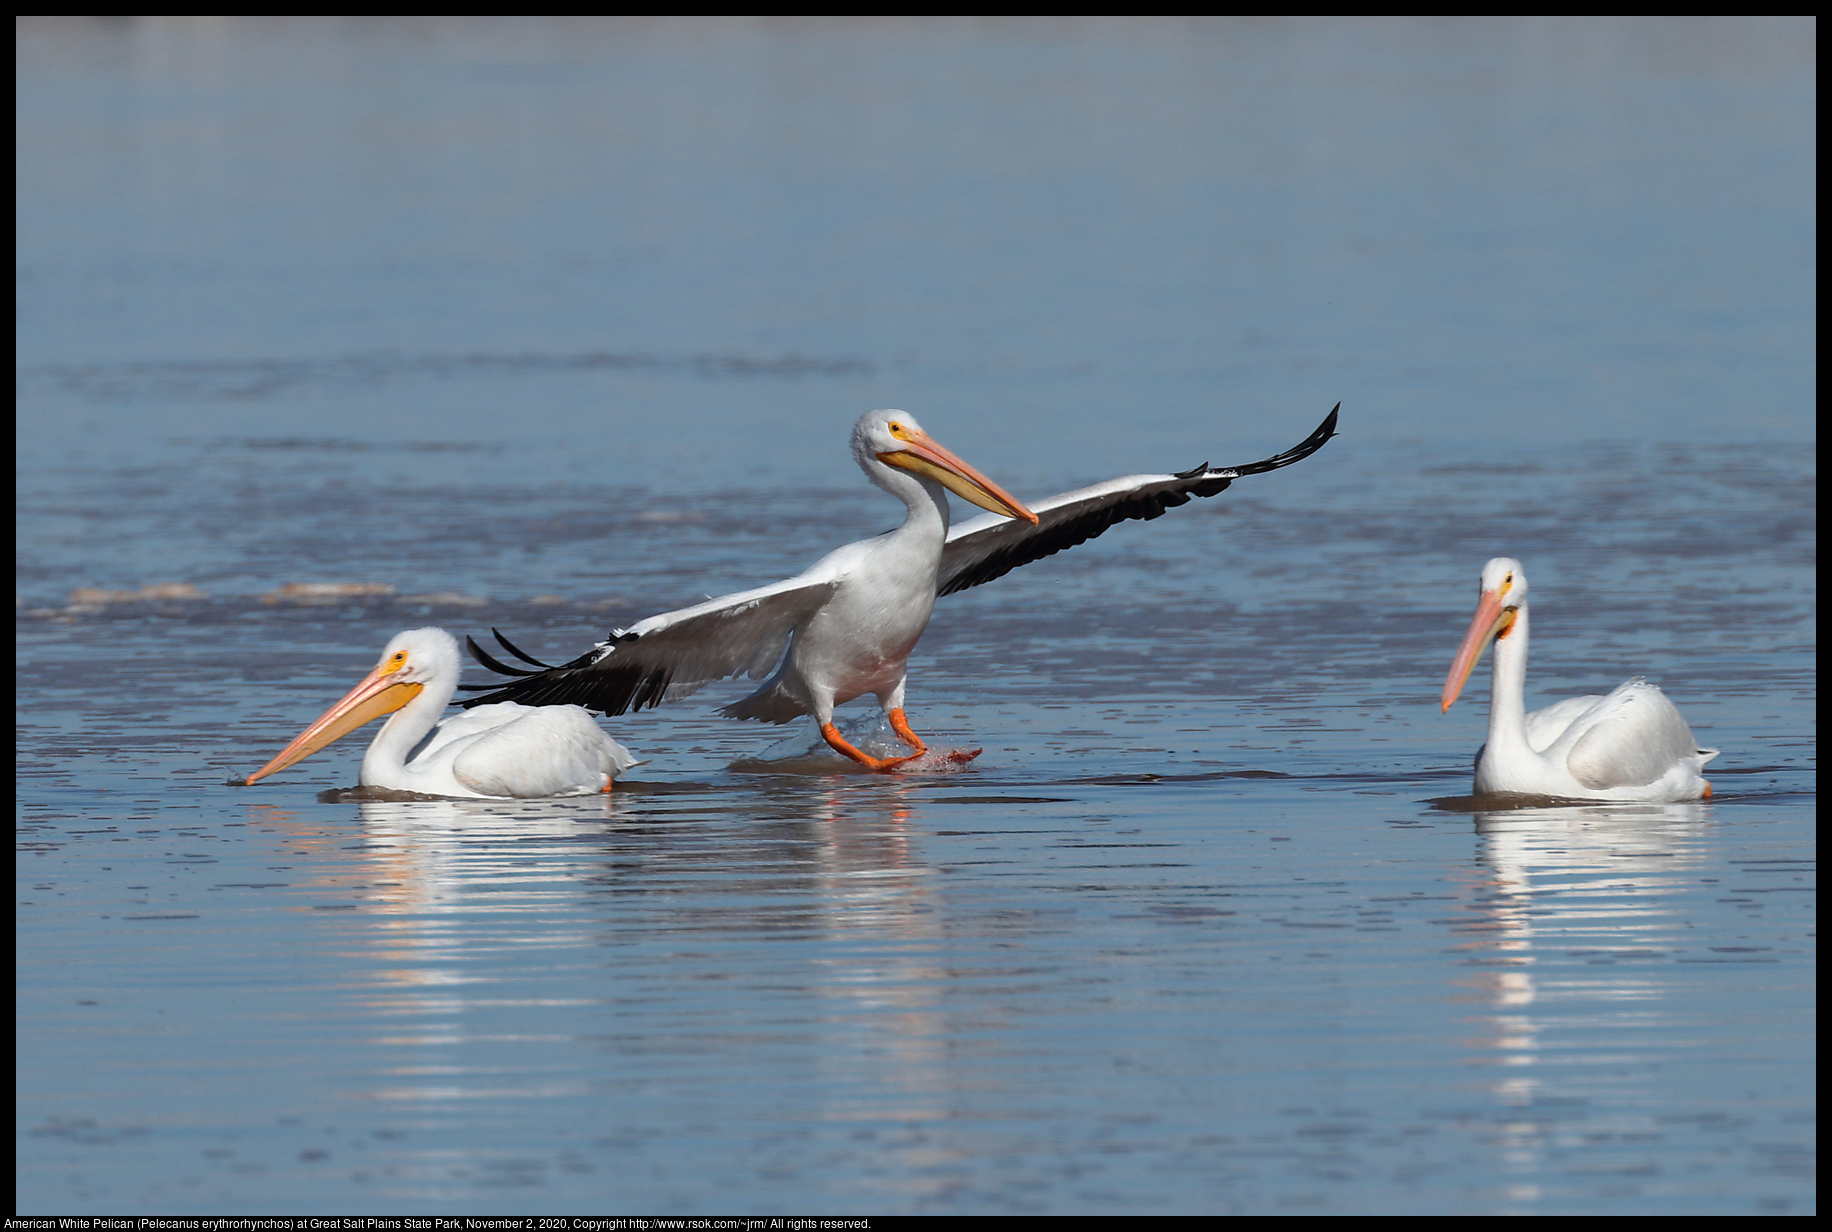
901, 725
840, 745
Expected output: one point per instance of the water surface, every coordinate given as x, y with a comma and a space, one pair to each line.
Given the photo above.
552, 325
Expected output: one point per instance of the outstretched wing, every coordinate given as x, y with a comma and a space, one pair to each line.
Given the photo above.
991, 546
669, 655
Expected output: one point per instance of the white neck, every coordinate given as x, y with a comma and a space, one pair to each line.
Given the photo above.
926, 500
392, 747
1507, 729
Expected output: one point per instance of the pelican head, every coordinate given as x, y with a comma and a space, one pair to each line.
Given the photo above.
896, 439
411, 662
1503, 593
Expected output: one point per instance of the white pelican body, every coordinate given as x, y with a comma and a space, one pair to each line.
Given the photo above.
1630, 745
491, 752
846, 627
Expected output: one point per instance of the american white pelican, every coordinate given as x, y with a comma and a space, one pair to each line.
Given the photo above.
491, 752
1631, 745
849, 623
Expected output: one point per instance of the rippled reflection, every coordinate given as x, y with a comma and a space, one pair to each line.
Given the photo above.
469, 894
1594, 884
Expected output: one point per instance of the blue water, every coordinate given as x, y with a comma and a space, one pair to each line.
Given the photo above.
550, 324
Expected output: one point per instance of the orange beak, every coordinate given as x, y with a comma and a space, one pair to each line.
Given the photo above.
924, 455
1491, 620
378, 694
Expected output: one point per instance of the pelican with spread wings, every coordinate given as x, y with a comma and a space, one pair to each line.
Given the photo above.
846, 626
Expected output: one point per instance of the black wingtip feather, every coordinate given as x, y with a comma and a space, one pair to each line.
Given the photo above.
517, 651
1297, 453
1197, 481
488, 660
586, 681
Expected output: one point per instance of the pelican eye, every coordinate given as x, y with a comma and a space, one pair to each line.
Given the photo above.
897, 430
397, 660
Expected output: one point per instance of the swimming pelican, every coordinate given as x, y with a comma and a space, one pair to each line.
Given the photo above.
849, 623
1631, 745
496, 751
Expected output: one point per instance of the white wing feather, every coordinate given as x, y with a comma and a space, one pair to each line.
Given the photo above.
741, 634
1635, 737
673, 654
545, 751
1544, 727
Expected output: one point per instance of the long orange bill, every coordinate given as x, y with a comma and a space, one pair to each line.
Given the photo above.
924, 455
1491, 619
377, 695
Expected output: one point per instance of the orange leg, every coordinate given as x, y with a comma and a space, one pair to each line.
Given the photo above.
839, 745
606, 789
901, 726
1707, 794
